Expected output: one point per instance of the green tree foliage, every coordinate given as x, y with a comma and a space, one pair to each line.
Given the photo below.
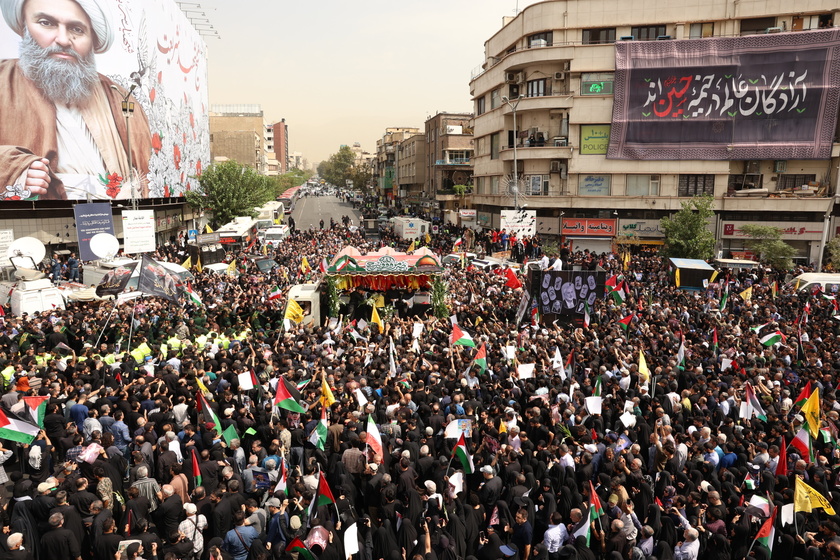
439, 290
338, 169
230, 189
293, 178
766, 242
833, 250
686, 232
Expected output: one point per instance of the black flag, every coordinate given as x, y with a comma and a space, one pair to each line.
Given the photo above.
157, 281
115, 281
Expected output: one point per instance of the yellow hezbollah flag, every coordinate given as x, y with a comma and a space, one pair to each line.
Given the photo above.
304, 265
806, 498
410, 247
746, 295
198, 266
327, 397
374, 318
207, 227
714, 275
203, 387
231, 267
811, 411
294, 312
502, 427
677, 277
643, 367
187, 263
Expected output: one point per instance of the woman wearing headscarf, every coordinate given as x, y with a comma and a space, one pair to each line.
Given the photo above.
668, 533
653, 519
583, 551
717, 548
663, 551
490, 547
384, 541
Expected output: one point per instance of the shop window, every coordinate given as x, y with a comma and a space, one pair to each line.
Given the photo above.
599, 36
695, 185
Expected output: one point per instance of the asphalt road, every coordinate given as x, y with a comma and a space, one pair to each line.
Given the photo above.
310, 210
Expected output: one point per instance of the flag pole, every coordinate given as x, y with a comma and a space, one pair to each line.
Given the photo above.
105, 326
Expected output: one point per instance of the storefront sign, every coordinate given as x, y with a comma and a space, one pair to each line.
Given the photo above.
640, 228
802, 231
592, 227
468, 214
594, 139
594, 185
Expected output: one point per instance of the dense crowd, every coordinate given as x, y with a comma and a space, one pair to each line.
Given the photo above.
677, 471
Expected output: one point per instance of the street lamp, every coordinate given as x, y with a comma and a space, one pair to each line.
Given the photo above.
513, 107
128, 111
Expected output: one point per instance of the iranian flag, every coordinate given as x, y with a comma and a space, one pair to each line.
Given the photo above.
460, 337
374, 438
772, 338
458, 243
460, 451
275, 293
584, 530
283, 398
15, 429
37, 408
800, 400
597, 391
625, 323
196, 472
204, 406
481, 359
282, 481
619, 294
766, 535
319, 433
802, 443
194, 299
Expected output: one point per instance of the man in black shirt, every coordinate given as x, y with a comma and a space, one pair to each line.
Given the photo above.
59, 543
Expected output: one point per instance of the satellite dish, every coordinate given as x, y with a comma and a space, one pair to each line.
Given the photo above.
27, 247
104, 246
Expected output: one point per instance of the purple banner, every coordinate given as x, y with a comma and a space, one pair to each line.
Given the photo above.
727, 98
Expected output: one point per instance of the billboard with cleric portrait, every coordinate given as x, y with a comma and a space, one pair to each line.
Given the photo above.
71, 71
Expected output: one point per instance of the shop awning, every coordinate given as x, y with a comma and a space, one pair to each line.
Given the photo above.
626, 241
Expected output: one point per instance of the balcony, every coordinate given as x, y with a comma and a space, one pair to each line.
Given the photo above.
536, 152
453, 161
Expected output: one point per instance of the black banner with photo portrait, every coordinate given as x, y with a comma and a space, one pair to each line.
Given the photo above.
115, 281
564, 292
155, 280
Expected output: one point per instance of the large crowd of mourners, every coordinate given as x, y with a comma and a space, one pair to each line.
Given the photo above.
677, 473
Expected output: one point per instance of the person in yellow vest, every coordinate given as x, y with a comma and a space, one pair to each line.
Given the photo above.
173, 342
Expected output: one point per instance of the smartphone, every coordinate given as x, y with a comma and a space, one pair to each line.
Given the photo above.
481, 535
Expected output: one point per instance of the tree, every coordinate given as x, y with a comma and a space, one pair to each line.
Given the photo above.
833, 250
338, 169
230, 189
292, 178
766, 242
687, 234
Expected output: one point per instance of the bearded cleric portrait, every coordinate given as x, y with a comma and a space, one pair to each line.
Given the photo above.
63, 133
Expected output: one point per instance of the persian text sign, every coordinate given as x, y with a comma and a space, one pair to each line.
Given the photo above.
596, 227
755, 97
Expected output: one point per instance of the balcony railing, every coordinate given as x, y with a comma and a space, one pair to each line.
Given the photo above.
453, 161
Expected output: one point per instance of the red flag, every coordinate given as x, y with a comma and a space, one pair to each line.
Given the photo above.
512, 280
658, 501
594, 436
781, 466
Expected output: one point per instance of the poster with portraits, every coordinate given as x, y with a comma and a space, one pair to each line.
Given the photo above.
564, 292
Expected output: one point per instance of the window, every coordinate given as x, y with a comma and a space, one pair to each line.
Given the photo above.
818, 21
794, 181
642, 185
495, 98
599, 36
538, 88
694, 185
701, 30
755, 26
544, 39
596, 83
513, 91
494, 185
479, 185
479, 105
481, 146
494, 145
648, 33
537, 185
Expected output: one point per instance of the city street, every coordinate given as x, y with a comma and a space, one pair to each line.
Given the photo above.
310, 210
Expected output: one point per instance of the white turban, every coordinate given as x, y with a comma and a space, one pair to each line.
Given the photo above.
98, 11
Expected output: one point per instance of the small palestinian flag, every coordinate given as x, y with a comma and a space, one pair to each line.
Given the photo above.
284, 399
303, 551
772, 338
275, 293
757, 329
724, 298
803, 396
459, 337
196, 472
319, 432
481, 359
325, 495
585, 528
194, 299
37, 408
282, 480
749, 482
619, 294
463, 455
766, 535
209, 416
754, 406
625, 323
13, 428
595, 502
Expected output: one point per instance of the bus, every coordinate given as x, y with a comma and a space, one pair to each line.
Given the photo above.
239, 233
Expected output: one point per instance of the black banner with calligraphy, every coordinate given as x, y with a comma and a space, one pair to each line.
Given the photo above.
115, 280
564, 292
155, 280
727, 98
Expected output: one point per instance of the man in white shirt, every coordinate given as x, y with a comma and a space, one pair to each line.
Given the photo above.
555, 536
688, 548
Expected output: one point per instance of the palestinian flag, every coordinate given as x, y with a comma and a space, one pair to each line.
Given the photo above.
209, 416
802, 443
619, 294
724, 298
318, 437
284, 399
460, 337
781, 466
625, 323
13, 428
800, 400
196, 472
595, 502
681, 353
282, 481
715, 341
343, 262
766, 535
586, 318
194, 299
753, 404
480, 359
611, 283
597, 391
463, 455
374, 438
303, 551
749, 482
584, 530
325, 495
275, 293
37, 408
772, 338
758, 328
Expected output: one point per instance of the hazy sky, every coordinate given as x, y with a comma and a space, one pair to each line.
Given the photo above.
341, 72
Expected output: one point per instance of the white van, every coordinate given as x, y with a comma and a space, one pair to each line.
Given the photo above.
274, 235
829, 283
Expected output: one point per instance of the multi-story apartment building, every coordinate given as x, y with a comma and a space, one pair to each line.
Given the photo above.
449, 151
281, 145
239, 133
384, 164
561, 98
411, 173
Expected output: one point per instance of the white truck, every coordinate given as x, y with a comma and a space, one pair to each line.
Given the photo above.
411, 228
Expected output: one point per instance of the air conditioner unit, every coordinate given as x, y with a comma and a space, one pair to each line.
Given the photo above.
558, 166
774, 30
513, 77
628, 38
663, 38
560, 76
779, 166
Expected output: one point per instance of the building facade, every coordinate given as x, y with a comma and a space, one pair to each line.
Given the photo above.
411, 173
240, 133
281, 145
544, 105
384, 163
449, 153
